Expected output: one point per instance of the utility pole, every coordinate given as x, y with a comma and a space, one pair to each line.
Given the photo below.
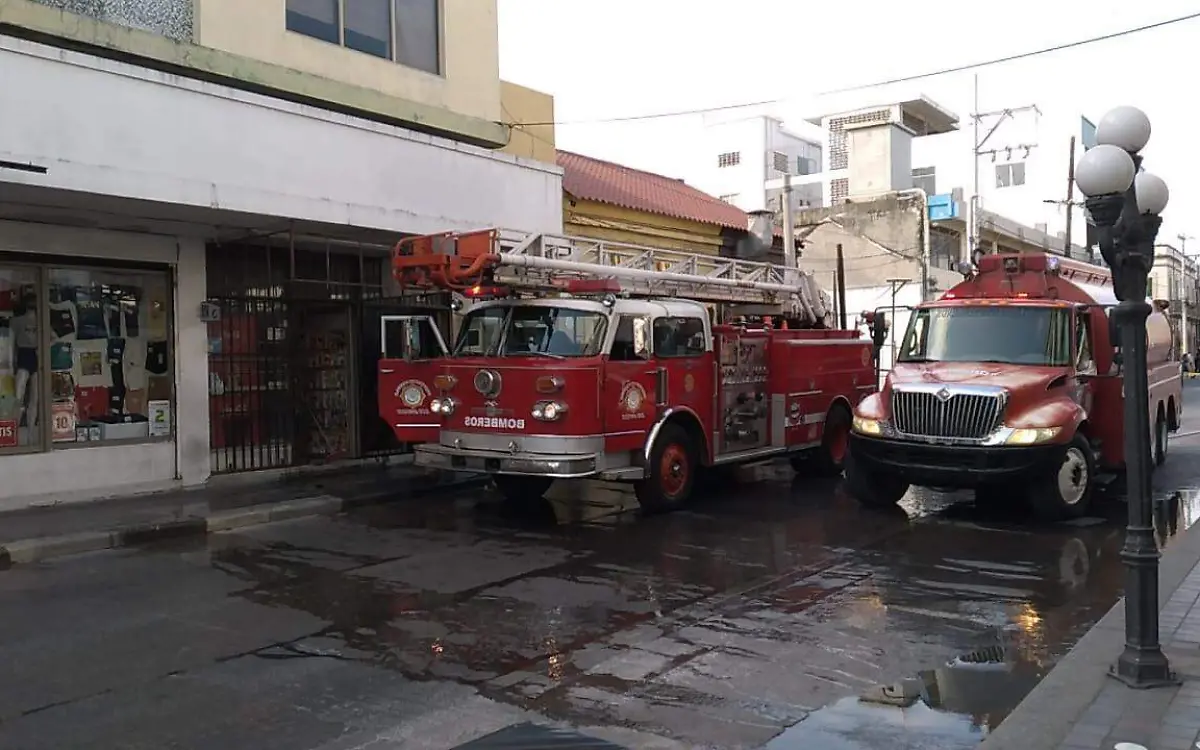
1070, 197
841, 287
896, 285
789, 233
977, 118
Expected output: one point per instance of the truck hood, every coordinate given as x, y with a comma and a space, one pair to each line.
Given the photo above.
1016, 378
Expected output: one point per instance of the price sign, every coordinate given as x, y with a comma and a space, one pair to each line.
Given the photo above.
62, 422
8, 433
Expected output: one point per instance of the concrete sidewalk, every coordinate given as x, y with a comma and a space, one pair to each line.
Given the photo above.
38, 533
1079, 707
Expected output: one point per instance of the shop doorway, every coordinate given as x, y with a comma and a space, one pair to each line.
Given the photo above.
325, 395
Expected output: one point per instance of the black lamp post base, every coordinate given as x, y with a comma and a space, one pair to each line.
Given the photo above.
1143, 670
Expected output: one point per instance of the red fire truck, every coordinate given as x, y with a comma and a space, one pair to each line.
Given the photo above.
580, 359
1011, 384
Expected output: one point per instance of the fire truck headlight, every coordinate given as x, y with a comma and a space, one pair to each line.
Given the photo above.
549, 411
865, 426
443, 406
1032, 435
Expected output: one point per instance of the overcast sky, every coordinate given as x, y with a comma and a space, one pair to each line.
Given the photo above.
617, 58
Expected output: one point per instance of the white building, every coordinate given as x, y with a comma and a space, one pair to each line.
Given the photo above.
1022, 167
224, 152
743, 158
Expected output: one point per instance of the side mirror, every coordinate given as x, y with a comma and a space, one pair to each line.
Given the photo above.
879, 329
641, 338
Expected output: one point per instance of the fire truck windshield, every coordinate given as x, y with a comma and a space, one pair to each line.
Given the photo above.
531, 330
1009, 334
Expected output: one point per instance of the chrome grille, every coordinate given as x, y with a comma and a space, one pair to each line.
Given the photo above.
946, 414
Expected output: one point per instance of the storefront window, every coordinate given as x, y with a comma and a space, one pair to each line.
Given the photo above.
20, 421
110, 355
85, 356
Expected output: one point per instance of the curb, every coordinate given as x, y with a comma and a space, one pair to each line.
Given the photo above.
1051, 710
37, 549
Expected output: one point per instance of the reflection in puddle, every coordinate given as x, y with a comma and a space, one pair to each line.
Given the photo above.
941, 709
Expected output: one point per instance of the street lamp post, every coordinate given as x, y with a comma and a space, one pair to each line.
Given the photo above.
1124, 203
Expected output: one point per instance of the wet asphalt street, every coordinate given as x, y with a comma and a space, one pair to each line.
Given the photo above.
758, 616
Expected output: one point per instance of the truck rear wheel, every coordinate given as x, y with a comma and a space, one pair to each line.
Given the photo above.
873, 490
670, 473
521, 489
1161, 428
830, 458
1066, 492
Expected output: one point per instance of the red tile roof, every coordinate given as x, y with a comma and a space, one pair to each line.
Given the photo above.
618, 185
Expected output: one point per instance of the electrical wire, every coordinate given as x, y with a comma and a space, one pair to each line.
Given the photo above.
877, 84
1018, 56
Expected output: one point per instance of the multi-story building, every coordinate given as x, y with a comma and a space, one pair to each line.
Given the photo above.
745, 159
1175, 278
197, 201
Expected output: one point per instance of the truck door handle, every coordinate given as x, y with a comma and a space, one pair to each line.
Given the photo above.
387, 372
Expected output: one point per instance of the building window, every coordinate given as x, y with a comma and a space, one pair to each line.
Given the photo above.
839, 190
406, 31
1010, 175
805, 165
730, 198
98, 371
729, 159
925, 178
779, 161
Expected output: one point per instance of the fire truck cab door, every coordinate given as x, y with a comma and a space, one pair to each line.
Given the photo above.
412, 351
630, 386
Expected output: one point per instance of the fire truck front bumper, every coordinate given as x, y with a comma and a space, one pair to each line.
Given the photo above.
495, 462
954, 466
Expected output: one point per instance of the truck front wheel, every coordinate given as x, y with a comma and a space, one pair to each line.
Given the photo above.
520, 489
870, 489
670, 473
1067, 492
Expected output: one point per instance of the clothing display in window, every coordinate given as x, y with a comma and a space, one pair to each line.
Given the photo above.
62, 319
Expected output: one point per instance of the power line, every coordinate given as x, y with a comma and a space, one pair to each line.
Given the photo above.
654, 116
1019, 56
876, 84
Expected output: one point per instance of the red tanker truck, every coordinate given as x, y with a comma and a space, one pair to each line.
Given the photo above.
1011, 385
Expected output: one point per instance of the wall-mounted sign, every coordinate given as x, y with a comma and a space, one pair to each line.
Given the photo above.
943, 207
8, 433
210, 312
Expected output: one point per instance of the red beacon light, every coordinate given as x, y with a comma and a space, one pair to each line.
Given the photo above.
485, 292
592, 286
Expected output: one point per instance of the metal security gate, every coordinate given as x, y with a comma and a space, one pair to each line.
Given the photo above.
293, 354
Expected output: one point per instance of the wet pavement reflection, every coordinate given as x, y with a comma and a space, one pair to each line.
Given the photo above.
773, 612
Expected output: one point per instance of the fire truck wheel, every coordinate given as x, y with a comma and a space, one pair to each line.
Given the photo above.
517, 489
1161, 428
672, 471
835, 443
873, 490
1067, 492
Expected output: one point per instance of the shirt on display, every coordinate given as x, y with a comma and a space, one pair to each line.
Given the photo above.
62, 319
91, 368
135, 363
24, 328
92, 319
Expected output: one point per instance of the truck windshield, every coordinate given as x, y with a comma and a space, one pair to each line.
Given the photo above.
530, 330
1015, 334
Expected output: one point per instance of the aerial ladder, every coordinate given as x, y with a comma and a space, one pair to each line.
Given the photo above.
492, 262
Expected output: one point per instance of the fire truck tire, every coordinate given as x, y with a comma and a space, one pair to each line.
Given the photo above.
830, 458
1067, 492
671, 472
517, 489
873, 490
1161, 428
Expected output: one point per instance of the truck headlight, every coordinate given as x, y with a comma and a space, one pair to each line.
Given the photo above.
443, 406
1031, 435
549, 411
865, 426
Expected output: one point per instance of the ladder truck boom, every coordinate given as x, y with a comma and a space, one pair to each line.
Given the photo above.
547, 263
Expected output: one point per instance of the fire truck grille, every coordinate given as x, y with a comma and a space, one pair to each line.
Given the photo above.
964, 416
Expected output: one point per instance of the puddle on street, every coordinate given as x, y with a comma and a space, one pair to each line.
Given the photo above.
941, 709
